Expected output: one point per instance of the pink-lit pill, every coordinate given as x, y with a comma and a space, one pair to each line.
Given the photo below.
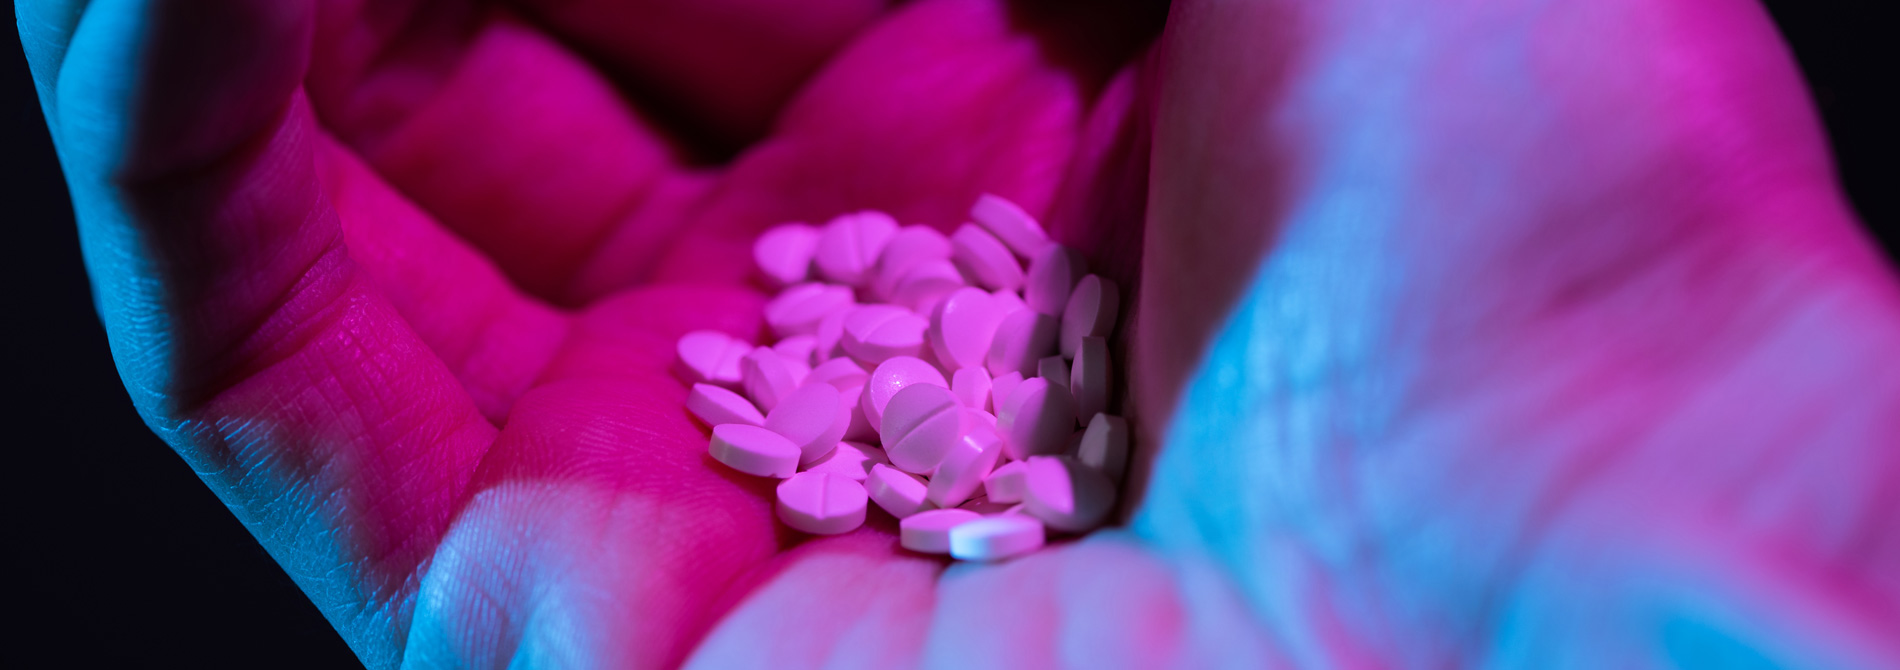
797, 348
1089, 313
908, 247
1022, 339
985, 259
994, 538
898, 492
768, 376
851, 460
1008, 301
840, 373
1052, 276
929, 531
1089, 378
1054, 369
1011, 224
876, 333
813, 418
1066, 494
965, 464
1037, 418
971, 387
710, 356
860, 429
718, 406
892, 376
1105, 446
821, 503
988, 507
784, 252
1000, 388
921, 424
848, 246
925, 285
753, 450
962, 326
1005, 483
798, 310
828, 338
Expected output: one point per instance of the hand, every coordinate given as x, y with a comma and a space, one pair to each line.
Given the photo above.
1495, 334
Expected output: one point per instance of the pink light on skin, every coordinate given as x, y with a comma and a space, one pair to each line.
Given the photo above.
1435, 312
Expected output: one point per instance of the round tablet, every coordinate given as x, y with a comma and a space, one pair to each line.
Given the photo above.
962, 326
849, 245
1037, 418
1011, 224
994, 538
964, 465
929, 531
921, 423
984, 258
799, 309
1090, 312
1052, 275
850, 460
876, 333
821, 503
1022, 339
1065, 494
718, 406
754, 450
898, 492
892, 376
783, 252
813, 418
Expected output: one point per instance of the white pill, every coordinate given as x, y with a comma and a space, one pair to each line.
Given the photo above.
1054, 369
929, 531
1052, 276
851, 460
849, 245
768, 377
985, 259
709, 356
753, 450
1036, 418
797, 347
828, 337
1005, 483
1065, 494
798, 309
963, 325
926, 284
898, 492
840, 373
1105, 446
1022, 339
821, 503
994, 538
1008, 301
1090, 312
876, 333
718, 406
972, 387
1010, 224
813, 418
988, 507
860, 429
963, 467
1000, 388
784, 252
1089, 378
920, 425
910, 246
892, 376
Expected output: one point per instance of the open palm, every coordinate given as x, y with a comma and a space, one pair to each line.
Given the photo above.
1458, 336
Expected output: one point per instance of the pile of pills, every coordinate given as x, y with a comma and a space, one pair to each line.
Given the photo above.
932, 375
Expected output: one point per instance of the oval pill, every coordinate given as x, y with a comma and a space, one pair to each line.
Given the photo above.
1011, 224
985, 259
783, 252
753, 450
821, 503
1066, 494
1089, 313
848, 246
1105, 446
964, 465
994, 538
892, 376
971, 387
898, 492
1054, 369
920, 425
876, 333
1051, 277
929, 531
812, 417
908, 247
1022, 339
709, 356
1000, 388
1037, 418
718, 406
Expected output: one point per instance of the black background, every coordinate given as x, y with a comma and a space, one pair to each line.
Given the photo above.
121, 557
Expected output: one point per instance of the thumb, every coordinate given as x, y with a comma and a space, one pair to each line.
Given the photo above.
247, 337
